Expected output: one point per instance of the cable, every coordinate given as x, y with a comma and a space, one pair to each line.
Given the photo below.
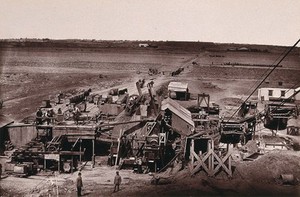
257, 81
286, 54
282, 103
266, 71
290, 97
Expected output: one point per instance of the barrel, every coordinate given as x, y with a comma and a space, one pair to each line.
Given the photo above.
287, 178
67, 166
172, 95
20, 169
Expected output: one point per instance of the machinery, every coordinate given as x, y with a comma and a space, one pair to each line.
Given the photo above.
177, 72
231, 131
278, 113
247, 108
203, 103
132, 103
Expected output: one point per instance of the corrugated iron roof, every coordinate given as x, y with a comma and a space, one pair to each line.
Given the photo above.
178, 86
4, 121
178, 110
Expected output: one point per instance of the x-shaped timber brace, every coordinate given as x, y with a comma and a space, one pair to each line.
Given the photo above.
210, 162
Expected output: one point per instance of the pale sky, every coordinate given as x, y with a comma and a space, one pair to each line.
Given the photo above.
275, 22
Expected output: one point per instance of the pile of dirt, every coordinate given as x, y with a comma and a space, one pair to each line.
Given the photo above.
269, 167
211, 86
3, 192
232, 101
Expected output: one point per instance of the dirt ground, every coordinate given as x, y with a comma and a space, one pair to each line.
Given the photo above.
256, 178
30, 75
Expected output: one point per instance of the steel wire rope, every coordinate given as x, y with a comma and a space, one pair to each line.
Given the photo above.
285, 55
258, 80
266, 71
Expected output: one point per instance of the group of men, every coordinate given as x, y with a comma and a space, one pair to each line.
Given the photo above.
49, 115
79, 184
40, 116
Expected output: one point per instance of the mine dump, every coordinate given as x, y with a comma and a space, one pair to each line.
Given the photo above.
173, 118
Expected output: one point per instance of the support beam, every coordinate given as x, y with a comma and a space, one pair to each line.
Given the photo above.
80, 150
93, 157
208, 160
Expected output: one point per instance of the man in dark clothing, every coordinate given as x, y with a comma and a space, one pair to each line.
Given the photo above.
117, 181
48, 117
79, 184
139, 165
39, 115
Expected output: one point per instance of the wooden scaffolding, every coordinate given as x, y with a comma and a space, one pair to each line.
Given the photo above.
210, 161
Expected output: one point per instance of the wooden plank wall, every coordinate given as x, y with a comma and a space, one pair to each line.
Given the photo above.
21, 135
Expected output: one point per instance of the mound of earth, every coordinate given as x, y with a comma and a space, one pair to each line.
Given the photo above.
269, 167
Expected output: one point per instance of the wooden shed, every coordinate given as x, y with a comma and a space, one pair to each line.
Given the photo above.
178, 90
181, 118
4, 121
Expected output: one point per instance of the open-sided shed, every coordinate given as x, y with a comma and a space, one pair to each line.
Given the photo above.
181, 118
178, 90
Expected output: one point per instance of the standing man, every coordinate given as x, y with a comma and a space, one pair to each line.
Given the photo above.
39, 116
117, 181
79, 184
76, 114
48, 117
139, 163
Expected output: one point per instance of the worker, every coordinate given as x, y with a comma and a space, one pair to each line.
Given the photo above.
48, 117
59, 96
139, 165
59, 111
202, 114
76, 114
79, 184
117, 181
39, 115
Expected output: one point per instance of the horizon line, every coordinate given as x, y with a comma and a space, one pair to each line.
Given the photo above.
131, 40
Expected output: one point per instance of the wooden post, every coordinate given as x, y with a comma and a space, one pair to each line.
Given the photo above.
211, 157
58, 163
93, 157
184, 147
72, 164
80, 149
230, 169
45, 163
119, 141
192, 150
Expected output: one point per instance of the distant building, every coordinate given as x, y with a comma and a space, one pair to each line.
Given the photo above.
143, 45
271, 94
178, 90
243, 49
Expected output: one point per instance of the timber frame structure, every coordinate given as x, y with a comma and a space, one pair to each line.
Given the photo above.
210, 161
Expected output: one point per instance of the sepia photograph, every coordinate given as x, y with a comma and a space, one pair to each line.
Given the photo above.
149, 98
